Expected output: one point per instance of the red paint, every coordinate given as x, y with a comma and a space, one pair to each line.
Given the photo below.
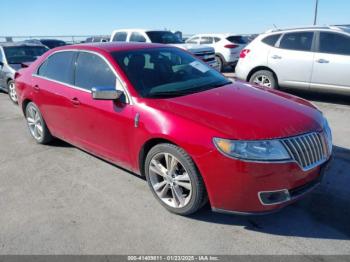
237, 111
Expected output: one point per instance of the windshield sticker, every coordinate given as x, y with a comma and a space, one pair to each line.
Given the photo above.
199, 66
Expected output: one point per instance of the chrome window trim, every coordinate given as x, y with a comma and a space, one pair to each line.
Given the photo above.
118, 78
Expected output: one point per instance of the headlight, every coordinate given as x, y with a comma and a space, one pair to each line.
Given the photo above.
328, 133
264, 150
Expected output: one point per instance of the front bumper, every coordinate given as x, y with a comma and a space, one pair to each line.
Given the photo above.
237, 191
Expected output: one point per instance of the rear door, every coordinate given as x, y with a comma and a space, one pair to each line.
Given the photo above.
292, 59
332, 62
52, 90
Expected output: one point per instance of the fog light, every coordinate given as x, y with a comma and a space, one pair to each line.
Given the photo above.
274, 197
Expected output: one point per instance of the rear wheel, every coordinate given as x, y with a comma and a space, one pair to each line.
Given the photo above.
11, 88
220, 63
36, 124
174, 180
264, 78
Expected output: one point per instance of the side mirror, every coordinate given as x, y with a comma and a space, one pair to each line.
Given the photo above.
101, 93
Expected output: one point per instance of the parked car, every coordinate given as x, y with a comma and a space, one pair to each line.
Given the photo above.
162, 113
205, 53
97, 39
227, 47
310, 58
14, 56
53, 43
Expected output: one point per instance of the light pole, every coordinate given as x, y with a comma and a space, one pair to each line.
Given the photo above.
316, 8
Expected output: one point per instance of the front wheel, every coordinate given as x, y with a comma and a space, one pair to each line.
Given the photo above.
174, 180
37, 125
220, 63
11, 87
264, 78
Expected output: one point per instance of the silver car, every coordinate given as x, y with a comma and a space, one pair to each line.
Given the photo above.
14, 56
312, 58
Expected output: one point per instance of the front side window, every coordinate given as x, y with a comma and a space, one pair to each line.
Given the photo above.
137, 37
300, 41
333, 43
193, 40
167, 72
120, 37
92, 71
163, 37
21, 54
59, 67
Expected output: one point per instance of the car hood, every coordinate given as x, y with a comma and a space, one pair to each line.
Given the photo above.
193, 48
242, 111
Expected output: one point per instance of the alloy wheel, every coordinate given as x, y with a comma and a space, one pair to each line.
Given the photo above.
170, 180
262, 80
35, 122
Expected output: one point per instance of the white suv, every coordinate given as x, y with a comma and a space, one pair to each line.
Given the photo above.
227, 46
205, 53
313, 58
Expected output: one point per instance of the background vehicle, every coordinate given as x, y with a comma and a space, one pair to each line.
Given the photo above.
162, 113
205, 53
53, 43
97, 39
227, 47
310, 58
12, 57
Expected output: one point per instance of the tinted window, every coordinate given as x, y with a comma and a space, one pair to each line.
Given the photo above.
163, 37
206, 40
1, 59
120, 37
92, 71
167, 72
193, 40
216, 39
58, 67
20, 54
237, 39
334, 43
301, 41
137, 37
271, 40
52, 43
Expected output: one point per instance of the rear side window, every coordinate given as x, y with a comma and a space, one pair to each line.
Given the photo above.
92, 71
120, 37
206, 40
137, 37
333, 43
271, 40
216, 39
59, 67
300, 41
237, 39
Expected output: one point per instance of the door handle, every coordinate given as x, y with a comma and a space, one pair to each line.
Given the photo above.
36, 88
75, 101
276, 57
322, 61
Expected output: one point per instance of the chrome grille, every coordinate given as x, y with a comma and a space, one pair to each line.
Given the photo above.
308, 150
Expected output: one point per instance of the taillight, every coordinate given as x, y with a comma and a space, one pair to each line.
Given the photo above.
231, 46
244, 53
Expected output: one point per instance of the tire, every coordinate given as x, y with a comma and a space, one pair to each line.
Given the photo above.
36, 124
220, 63
179, 193
264, 78
11, 90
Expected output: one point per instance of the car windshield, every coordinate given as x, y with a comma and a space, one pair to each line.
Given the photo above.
167, 72
163, 37
20, 54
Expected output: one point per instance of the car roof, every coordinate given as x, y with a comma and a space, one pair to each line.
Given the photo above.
10, 44
112, 46
216, 34
339, 28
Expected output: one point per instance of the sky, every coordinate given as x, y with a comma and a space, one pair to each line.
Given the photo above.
97, 17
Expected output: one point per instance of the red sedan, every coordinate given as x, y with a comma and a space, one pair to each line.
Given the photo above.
161, 113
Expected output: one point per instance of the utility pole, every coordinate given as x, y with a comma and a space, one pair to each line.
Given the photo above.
316, 9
